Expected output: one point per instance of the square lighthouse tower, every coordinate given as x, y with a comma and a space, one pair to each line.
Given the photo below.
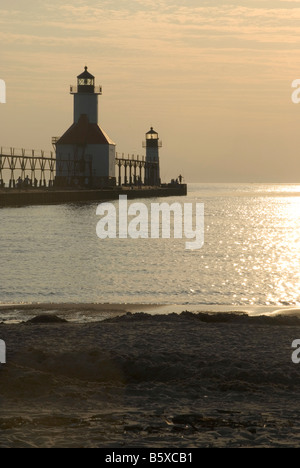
85, 155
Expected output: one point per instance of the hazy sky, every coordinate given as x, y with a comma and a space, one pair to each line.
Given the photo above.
212, 77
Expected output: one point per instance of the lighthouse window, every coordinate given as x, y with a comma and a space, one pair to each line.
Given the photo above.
85, 82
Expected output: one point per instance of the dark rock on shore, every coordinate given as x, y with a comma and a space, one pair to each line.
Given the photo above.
47, 319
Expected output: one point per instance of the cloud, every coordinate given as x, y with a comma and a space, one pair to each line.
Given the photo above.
180, 42
141, 27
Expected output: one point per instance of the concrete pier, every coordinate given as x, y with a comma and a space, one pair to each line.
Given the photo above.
55, 196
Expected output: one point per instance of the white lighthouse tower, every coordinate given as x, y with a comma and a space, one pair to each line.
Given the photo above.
85, 155
152, 145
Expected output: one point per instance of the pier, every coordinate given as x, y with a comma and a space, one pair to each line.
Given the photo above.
27, 177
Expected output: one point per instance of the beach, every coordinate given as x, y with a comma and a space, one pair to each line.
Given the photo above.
140, 380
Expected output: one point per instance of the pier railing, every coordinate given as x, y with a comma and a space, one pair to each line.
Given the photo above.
135, 170
31, 167
21, 168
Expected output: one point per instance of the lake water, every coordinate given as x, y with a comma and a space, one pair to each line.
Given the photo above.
186, 380
251, 254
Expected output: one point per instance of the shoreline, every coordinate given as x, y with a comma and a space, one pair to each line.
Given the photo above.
94, 312
82, 313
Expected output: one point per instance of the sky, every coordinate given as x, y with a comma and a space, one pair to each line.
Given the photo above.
212, 77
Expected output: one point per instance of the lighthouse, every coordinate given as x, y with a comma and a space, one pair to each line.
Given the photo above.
152, 145
85, 155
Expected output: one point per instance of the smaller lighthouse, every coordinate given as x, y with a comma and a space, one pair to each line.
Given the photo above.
152, 145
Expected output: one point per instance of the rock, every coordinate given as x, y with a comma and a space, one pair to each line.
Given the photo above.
47, 319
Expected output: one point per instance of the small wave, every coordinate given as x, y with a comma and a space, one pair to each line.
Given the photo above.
278, 318
291, 312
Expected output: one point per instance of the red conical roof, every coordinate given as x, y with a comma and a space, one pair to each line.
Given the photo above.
84, 133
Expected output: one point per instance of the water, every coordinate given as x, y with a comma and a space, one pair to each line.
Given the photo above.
251, 255
180, 380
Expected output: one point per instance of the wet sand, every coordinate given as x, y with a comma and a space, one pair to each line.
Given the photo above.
141, 380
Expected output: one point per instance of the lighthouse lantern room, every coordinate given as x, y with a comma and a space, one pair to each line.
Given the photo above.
89, 152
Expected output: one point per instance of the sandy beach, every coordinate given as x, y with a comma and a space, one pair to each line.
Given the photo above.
140, 380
